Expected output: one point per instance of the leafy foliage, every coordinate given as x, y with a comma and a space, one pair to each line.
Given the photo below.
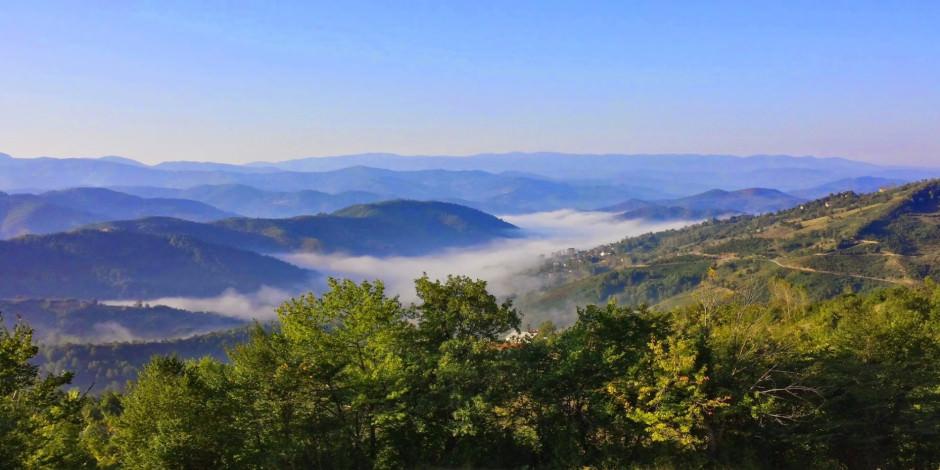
356, 379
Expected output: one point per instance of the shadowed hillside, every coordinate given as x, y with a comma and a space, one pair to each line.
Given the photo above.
58, 211
388, 228
107, 264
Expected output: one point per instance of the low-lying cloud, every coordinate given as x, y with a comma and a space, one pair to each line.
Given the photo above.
501, 263
258, 305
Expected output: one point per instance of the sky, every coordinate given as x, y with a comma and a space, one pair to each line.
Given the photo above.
267, 81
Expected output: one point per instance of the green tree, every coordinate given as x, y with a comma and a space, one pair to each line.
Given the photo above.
178, 415
39, 424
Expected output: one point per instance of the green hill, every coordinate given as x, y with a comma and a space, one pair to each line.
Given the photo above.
843, 242
709, 203
103, 367
124, 265
88, 321
387, 228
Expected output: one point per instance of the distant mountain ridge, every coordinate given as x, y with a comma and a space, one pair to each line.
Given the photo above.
725, 171
57, 211
501, 183
254, 202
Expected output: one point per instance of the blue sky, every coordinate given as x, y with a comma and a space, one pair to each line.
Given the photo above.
251, 81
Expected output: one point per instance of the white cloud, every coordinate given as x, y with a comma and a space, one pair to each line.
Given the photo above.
501, 263
258, 305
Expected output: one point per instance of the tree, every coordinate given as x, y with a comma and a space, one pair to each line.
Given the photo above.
39, 424
178, 415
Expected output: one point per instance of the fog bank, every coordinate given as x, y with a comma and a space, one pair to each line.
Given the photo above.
501, 263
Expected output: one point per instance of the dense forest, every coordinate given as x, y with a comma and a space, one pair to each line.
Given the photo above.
357, 379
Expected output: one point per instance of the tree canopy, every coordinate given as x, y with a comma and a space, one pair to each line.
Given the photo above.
354, 378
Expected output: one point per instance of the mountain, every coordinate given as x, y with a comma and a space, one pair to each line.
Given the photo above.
680, 174
210, 167
514, 182
58, 211
714, 203
83, 321
861, 185
22, 214
122, 160
125, 265
751, 201
254, 202
842, 242
663, 213
113, 205
629, 205
387, 228
484, 190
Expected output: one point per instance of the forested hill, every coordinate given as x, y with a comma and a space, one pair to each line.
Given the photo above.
743, 201
57, 211
123, 265
355, 379
397, 227
842, 242
89, 321
108, 367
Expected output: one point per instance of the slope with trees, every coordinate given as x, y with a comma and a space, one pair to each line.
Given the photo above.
58, 211
102, 264
844, 242
356, 379
89, 321
396, 227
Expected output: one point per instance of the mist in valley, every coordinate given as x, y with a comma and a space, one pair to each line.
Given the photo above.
503, 264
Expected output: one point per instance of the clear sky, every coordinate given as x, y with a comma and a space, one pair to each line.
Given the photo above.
239, 82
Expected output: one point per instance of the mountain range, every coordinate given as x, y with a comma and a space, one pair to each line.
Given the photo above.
254, 202
162, 257
498, 183
57, 211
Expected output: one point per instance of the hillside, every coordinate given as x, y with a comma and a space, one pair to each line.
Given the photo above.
843, 242
114, 205
710, 203
104, 367
124, 265
83, 321
751, 201
254, 202
663, 213
21, 214
387, 228
58, 211
861, 185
